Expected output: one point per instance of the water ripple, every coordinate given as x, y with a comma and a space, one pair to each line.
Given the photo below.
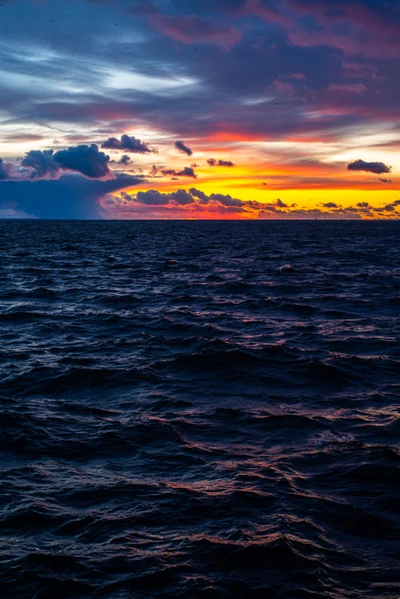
199, 410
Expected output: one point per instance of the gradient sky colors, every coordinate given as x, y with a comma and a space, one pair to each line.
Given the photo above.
200, 109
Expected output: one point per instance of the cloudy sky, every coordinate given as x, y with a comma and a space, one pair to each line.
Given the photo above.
200, 108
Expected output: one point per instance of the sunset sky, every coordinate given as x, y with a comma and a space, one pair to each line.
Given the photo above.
200, 109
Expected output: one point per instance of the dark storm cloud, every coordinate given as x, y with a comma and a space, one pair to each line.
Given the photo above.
183, 148
369, 167
87, 160
213, 162
42, 163
4, 170
71, 196
128, 144
83, 159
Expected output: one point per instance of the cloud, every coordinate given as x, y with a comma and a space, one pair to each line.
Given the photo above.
281, 204
196, 203
391, 207
223, 199
183, 198
191, 29
124, 159
351, 88
23, 137
188, 171
298, 76
356, 26
183, 148
155, 198
385, 180
128, 144
86, 160
4, 170
370, 167
284, 88
213, 162
226, 200
196, 193
69, 197
181, 203
204, 96
42, 163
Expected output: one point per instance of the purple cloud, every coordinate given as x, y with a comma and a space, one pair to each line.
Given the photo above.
370, 167
86, 160
42, 163
183, 148
155, 198
83, 159
191, 29
188, 171
281, 204
128, 144
213, 162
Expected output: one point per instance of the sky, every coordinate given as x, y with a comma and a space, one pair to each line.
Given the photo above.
200, 109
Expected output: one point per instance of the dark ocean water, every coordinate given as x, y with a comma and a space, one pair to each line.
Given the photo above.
182, 418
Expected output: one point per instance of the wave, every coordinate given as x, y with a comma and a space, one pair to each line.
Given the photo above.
179, 418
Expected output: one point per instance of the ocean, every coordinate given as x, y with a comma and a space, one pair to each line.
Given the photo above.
199, 409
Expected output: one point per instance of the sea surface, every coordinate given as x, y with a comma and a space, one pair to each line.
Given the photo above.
181, 417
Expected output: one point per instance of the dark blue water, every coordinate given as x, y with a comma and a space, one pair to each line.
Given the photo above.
180, 417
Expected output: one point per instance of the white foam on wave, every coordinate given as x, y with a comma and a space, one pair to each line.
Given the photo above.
329, 438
